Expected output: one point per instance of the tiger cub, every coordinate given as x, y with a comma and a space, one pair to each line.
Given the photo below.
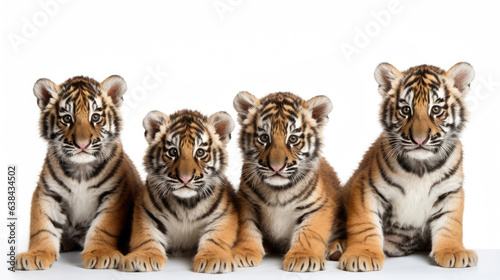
188, 204
289, 196
85, 189
407, 193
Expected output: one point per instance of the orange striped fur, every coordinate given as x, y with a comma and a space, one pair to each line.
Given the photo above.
289, 196
406, 194
188, 204
85, 189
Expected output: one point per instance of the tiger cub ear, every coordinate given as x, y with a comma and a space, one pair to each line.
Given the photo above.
385, 74
461, 74
44, 90
320, 107
114, 86
243, 102
152, 124
223, 124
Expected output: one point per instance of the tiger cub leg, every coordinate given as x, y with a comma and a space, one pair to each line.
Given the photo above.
339, 239
309, 242
249, 249
101, 243
214, 249
446, 228
364, 235
146, 252
44, 238
336, 249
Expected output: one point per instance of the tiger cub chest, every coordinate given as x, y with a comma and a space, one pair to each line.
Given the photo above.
82, 204
277, 225
409, 208
406, 213
183, 236
414, 202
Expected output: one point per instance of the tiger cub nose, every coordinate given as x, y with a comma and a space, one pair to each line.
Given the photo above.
185, 180
83, 145
420, 141
277, 168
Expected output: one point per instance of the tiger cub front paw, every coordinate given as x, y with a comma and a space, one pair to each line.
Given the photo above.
101, 258
336, 249
143, 261
303, 262
213, 263
246, 256
361, 259
455, 257
35, 260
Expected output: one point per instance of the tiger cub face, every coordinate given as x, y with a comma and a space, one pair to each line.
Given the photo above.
280, 136
423, 111
80, 117
186, 155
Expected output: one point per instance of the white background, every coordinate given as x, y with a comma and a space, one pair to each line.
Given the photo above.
205, 52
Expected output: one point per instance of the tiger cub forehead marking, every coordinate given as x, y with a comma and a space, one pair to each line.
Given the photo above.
424, 83
280, 112
187, 128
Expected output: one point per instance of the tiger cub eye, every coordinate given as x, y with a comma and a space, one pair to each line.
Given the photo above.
436, 110
406, 110
96, 117
264, 138
172, 152
293, 139
66, 119
200, 152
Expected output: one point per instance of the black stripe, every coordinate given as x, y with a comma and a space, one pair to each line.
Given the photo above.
436, 216
107, 233
100, 167
159, 225
153, 199
42, 231
386, 178
384, 156
168, 208
142, 244
303, 216
374, 188
362, 231
247, 198
111, 173
447, 175
259, 195
445, 195
47, 191
213, 207
55, 223
53, 174
308, 205
215, 242
109, 192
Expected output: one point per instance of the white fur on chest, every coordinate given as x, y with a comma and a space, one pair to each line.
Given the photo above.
184, 235
279, 222
416, 205
83, 203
